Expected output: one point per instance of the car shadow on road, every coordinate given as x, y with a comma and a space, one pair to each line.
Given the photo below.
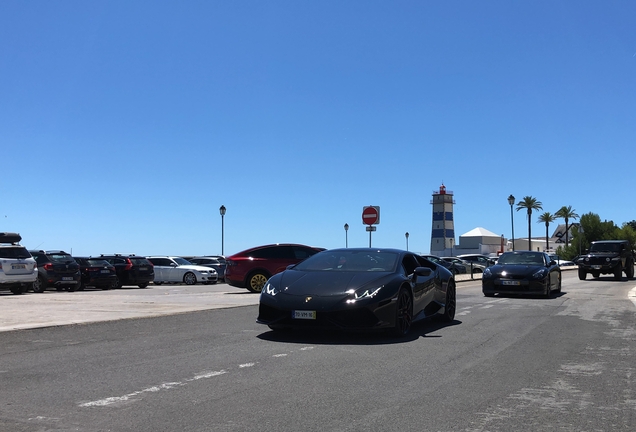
421, 329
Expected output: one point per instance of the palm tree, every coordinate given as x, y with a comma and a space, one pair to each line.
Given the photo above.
567, 213
529, 203
547, 218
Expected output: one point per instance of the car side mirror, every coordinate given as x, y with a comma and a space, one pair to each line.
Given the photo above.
173, 265
551, 263
423, 271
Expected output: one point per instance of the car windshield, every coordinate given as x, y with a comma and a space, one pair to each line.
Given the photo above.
14, 252
182, 261
605, 247
529, 258
339, 260
61, 257
97, 262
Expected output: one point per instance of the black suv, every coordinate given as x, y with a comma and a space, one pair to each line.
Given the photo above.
57, 269
131, 269
96, 272
607, 257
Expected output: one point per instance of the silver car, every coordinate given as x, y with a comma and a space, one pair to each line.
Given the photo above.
178, 270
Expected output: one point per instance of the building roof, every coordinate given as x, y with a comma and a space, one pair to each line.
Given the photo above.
480, 232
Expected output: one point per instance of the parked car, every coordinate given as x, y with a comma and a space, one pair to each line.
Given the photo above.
459, 262
522, 272
252, 267
455, 268
358, 289
96, 272
179, 270
560, 262
209, 261
18, 269
131, 269
56, 269
477, 263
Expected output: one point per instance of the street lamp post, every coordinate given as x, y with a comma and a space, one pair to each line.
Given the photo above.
222, 211
407, 240
511, 201
346, 227
451, 242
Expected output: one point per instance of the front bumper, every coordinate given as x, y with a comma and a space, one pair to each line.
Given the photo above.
517, 286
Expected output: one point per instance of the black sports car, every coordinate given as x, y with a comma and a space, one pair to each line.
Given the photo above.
522, 272
358, 289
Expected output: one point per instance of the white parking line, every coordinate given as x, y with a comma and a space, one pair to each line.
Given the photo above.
632, 295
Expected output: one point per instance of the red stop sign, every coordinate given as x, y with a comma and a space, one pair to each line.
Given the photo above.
370, 215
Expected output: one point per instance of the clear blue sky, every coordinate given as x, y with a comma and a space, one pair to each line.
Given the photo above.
125, 125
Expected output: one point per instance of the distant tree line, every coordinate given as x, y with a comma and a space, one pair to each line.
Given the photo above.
594, 229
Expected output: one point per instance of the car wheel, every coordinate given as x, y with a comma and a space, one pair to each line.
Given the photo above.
18, 290
403, 313
618, 273
558, 290
71, 288
596, 275
489, 294
629, 271
548, 289
451, 303
189, 278
143, 285
582, 274
157, 282
256, 282
118, 284
39, 285
81, 286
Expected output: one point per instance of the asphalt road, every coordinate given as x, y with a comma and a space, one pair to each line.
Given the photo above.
505, 364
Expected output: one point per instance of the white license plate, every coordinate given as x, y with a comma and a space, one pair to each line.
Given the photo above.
143, 268
67, 278
105, 271
304, 314
18, 266
596, 267
509, 282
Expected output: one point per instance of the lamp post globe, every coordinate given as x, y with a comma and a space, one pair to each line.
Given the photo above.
511, 201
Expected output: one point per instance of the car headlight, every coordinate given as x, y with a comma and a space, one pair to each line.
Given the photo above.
363, 294
540, 274
270, 289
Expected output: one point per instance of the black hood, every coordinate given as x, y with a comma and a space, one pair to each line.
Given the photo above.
326, 283
515, 270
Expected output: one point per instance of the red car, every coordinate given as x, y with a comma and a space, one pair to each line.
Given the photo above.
251, 268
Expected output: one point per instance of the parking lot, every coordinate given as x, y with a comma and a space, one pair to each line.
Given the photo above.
53, 308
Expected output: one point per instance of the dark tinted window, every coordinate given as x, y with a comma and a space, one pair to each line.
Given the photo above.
57, 257
303, 252
275, 252
409, 263
97, 262
142, 262
14, 252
